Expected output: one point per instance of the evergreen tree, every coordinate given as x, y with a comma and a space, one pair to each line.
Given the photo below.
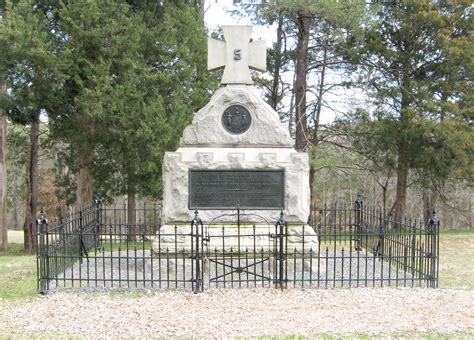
17, 146
3, 172
312, 41
118, 82
31, 73
419, 79
159, 80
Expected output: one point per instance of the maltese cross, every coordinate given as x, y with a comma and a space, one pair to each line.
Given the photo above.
237, 54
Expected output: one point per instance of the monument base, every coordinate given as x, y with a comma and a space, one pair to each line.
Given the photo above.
178, 165
239, 240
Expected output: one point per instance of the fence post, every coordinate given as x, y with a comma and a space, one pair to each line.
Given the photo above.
43, 254
98, 209
381, 245
433, 232
195, 224
281, 232
358, 205
81, 237
413, 248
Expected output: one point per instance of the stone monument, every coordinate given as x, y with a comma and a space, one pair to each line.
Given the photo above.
236, 154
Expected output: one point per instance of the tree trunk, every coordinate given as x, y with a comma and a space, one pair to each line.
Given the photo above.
384, 196
429, 200
317, 114
403, 165
275, 97
319, 102
3, 165
303, 22
402, 184
314, 200
16, 197
84, 190
32, 189
291, 113
3, 180
200, 4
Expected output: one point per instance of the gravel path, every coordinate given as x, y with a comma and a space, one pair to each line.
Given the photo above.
230, 313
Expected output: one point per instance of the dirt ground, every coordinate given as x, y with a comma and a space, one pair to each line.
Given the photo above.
232, 313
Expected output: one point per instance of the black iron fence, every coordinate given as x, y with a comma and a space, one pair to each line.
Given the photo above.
354, 246
372, 249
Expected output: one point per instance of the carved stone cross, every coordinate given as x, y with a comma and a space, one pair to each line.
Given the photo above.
236, 54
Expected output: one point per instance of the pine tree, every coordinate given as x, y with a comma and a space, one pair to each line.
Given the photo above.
419, 79
149, 105
3, 144
118, 82
30, 71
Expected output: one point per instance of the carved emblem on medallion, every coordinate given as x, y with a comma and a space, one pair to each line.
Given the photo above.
236, 119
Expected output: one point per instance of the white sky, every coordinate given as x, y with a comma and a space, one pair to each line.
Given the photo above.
341, 100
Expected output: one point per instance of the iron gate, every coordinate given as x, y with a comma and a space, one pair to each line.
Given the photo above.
239, 255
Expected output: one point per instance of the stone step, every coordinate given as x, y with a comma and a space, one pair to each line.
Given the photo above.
230, 238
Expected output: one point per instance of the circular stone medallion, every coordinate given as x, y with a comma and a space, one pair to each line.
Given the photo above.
236, 119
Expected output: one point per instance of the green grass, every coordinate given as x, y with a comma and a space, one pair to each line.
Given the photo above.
18, 269
406, 335
456, 251
17, 274
458, 232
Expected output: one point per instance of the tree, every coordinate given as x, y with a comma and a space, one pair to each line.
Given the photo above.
17, 146
3, 177
146, 84
412, 64
30, 72
114, 84
321, 33
301, 15
3, 172
180, 73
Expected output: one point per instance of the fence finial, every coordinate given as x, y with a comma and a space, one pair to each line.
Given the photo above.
281, 220
98, 199
434, 219
42, 220
196, 219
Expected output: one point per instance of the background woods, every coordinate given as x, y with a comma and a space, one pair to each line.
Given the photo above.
397, 79
109, 86
94, 93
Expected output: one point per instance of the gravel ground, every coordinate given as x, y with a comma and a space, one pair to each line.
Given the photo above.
230, 313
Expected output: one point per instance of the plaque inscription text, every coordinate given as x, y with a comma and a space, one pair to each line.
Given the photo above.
229, 189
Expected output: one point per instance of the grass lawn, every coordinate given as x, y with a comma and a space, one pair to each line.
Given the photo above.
456, 266
17, 270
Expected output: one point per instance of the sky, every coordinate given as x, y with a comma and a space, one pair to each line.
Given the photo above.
217, 14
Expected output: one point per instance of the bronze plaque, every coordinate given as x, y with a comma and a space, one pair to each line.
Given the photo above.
230, 189
236, 119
